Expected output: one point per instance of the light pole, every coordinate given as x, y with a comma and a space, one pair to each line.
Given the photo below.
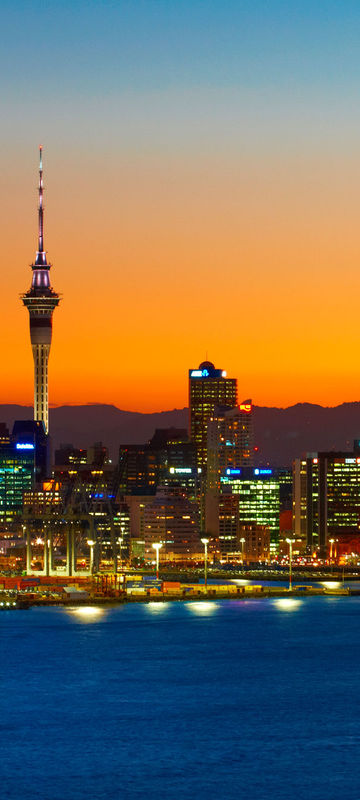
157, 546
205, 543
331, 542
120, 541
290, 543
91, 544
242, 551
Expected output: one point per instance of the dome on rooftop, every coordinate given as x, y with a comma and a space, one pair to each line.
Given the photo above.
206, 365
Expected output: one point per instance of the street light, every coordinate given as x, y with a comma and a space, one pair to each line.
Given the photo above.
205, 543
48, 557
120, 541
157, 546
290, 543
91, 544
242, 551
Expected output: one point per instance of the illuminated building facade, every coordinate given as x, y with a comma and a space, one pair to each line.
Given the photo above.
229, 441
143, 467
327, 498
183, 480
30, 431
173, 521
41, 300
17, 470
208, 388
257, 495
235, 540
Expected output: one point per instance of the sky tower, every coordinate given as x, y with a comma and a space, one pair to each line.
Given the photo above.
41, 301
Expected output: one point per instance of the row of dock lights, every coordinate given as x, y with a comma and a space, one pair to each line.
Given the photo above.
92, 543
7, 604
158, 545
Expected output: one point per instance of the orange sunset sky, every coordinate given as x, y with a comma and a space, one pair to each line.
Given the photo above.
203, 214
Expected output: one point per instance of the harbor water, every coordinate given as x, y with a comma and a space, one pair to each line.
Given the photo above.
221, 699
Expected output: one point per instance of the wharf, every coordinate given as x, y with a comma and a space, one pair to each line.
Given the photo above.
198, 593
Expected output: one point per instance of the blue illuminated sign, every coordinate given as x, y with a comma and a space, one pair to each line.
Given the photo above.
233, 471
199, 373
262, 471
207, 373
25, 446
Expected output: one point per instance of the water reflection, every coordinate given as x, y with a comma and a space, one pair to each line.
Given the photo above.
157, 607
87, 613
331, 584
240, 581
202, 608
287, 603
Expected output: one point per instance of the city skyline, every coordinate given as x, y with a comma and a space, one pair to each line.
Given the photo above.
167, 183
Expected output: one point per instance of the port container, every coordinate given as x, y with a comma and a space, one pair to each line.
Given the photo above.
171, 586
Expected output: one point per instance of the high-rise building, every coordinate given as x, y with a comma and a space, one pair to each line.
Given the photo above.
30, 431
17, 469
230, 441
235, 540
257, 494
208, 388
143, 467
41, 300
326, 503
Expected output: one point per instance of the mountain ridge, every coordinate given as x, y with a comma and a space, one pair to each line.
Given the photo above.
281, 434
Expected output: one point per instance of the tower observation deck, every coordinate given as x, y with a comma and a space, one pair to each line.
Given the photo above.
40, 300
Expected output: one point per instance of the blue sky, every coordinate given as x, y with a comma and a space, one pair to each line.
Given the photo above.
102, 47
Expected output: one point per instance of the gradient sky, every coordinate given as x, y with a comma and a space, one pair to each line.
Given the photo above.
202, 196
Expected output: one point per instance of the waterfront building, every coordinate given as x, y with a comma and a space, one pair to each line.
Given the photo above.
17, 474
208, 389
234, 540
41, 300
256, 493
326, 502
172, 520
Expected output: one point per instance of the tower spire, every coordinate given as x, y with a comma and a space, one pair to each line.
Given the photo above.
40, 260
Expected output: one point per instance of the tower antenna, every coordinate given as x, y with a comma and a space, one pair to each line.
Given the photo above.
40, 260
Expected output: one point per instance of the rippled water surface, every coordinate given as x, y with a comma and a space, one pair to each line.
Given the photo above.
256, 699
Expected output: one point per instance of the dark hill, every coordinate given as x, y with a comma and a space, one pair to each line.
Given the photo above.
281, 434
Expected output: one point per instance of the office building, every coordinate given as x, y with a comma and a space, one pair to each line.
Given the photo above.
30, 431
41, 300
229, 441
17, 474
326, 503
173, 521
208, 389
255, 492
234, 540
143, 467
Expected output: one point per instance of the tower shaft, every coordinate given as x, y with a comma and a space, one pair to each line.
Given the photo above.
41, 401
